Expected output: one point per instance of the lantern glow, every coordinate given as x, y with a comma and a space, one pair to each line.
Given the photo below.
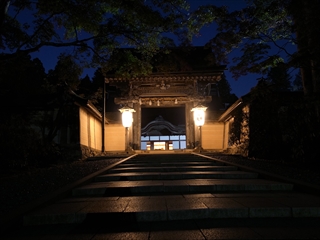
127, 118
199, 115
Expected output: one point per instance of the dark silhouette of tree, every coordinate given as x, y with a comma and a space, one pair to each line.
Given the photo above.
96, 95
21, 82
93, 28
221, 95
256, 31
280, 78
260, 27
63, 81
297, 83
21, 77
98, 79
67, 71
225, 91
4, 5
85, 87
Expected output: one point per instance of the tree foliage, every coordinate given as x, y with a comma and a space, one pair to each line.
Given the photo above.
254, 30
280, 78
67, 71
263, 26
19, 84
96, 28
93, 28
225, 91
297, 83
23, 93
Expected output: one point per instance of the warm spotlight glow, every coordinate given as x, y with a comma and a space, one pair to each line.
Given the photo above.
127, 118
199, 115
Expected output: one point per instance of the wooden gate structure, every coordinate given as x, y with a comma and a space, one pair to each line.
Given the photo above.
188, 80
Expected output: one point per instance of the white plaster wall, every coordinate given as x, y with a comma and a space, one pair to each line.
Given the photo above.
90, 130
114, 137
213, 136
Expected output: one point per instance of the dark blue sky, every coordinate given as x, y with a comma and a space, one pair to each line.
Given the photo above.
240, 87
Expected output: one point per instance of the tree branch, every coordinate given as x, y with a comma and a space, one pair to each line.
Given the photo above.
35, 32
276, 44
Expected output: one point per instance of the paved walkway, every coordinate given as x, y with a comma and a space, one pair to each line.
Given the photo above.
177, 196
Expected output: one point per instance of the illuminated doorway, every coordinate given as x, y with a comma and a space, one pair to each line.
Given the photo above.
163, 128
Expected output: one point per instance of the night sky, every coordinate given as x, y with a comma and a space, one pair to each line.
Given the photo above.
240, 87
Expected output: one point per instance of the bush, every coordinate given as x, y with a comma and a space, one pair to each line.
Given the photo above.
282, 125
21, 146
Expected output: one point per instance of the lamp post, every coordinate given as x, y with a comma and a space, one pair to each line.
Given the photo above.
199, 118
127, 120
103, 116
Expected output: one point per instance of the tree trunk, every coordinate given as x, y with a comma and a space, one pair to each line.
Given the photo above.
306, 18
4, 5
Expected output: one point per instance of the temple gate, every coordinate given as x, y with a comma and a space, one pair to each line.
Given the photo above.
191, 83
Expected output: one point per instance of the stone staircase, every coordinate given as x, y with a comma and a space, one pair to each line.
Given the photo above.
173, 187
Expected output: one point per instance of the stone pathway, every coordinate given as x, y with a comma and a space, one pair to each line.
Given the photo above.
177, 196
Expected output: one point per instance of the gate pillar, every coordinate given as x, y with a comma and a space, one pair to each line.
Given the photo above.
136, 127
190, 138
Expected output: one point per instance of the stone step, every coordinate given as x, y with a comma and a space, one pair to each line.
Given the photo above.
173, 169
177, 207
140, 190
171, 159
152, 187
134, 176
168, 157
170, 163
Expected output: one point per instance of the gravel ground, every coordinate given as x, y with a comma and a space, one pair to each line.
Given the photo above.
24, 187
300, 172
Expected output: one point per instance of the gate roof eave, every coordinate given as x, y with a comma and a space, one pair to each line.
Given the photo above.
171, 76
